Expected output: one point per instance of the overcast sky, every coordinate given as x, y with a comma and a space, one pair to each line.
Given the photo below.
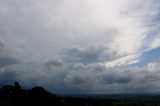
81, 46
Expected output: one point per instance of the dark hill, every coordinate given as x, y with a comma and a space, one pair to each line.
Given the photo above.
14, 95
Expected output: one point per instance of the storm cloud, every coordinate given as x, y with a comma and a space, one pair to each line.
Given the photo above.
86, 46
115, 80
6, 60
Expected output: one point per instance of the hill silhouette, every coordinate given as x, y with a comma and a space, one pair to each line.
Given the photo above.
15, 95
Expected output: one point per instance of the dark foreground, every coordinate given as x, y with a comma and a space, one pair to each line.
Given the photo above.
14, 95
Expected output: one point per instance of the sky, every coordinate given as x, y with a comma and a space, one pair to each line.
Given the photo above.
81, 46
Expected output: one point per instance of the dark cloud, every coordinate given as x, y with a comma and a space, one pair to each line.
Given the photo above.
5, 61
90, 54
82, 37
74, 79
77, 72
7, 76
54, 63
1, 45
56, 67
113, 80
5, 58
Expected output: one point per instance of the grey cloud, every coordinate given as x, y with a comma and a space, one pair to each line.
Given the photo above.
84, 75
90, 54
113, 80
5, 58
1, 45
79, 67
37, 31
5, 61
7, 76
74, 79
54, 63
55, 66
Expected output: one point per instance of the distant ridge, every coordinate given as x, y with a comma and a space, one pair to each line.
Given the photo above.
14, 95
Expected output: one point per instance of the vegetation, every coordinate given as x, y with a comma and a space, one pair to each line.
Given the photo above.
14, 95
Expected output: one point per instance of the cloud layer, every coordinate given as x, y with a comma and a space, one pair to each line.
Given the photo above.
89, 46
